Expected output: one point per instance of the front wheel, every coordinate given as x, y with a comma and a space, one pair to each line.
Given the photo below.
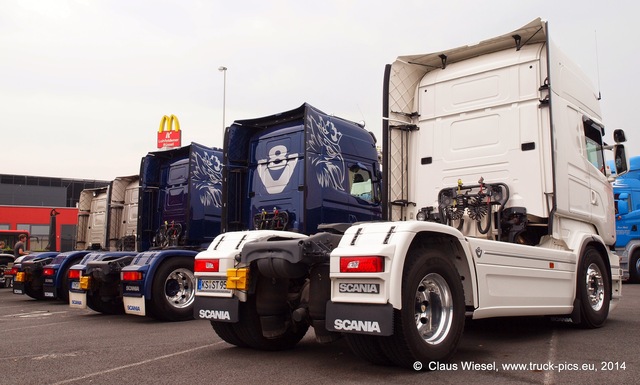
594, 290
429, 325
173, 290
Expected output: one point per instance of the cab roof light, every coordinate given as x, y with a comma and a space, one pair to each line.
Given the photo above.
364, 264
206, 265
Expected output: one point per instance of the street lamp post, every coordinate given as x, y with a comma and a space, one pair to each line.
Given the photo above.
224, 93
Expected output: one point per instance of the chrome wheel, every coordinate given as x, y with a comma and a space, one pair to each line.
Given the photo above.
433, 308
179, 288
595, 287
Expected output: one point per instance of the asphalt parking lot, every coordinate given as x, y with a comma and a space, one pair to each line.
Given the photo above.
46, 342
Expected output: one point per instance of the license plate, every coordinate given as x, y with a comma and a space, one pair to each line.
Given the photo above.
75, 285
212, 285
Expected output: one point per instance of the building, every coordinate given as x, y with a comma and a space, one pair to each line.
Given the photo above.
29, 203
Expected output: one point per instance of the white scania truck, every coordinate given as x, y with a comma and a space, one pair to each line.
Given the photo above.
498, 204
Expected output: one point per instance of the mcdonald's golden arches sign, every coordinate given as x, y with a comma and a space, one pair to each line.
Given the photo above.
167, 136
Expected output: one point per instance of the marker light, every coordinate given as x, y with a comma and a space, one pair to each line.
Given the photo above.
206, 265
368, 264
131, 275
48, 272
74, 274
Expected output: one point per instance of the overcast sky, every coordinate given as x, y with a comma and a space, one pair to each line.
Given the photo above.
84, 83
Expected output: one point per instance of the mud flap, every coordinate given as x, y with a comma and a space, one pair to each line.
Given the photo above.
134, 305
216, 309
360, 318
18, 287
77, 300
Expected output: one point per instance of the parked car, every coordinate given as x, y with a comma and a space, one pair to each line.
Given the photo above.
6, 265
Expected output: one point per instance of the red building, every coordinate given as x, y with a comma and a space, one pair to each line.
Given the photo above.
28, 202
37, 222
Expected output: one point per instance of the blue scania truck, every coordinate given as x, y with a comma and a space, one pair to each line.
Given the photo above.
178, 215
298, 170
626, 190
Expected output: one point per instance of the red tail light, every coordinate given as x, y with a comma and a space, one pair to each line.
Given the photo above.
74, 274
48, 272
368, 264
131, 276
206, 265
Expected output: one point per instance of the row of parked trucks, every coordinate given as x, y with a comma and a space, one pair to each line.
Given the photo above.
492, 199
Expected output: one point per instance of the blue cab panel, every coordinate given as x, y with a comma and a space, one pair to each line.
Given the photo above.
298, 169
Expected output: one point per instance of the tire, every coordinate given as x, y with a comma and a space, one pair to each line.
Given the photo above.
173, 290
368, 348
34, 292
63, 294
112, 307
594, 290
249, 330
634, 268
429, 325
227, 333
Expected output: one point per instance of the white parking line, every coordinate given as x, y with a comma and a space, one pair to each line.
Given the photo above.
33, 314
135, 364
553, 343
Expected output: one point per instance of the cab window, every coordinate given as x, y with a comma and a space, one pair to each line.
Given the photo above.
360, 185
593, 144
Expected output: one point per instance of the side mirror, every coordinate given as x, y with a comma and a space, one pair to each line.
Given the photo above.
620, 159
618, 135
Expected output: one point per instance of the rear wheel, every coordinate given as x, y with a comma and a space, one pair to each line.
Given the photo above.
33, 291
249, 330
63, 294
102, 305
594, 290
429, 325
368, 348
226, 332
173, 290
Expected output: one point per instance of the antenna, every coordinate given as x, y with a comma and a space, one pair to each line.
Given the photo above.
597, 63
